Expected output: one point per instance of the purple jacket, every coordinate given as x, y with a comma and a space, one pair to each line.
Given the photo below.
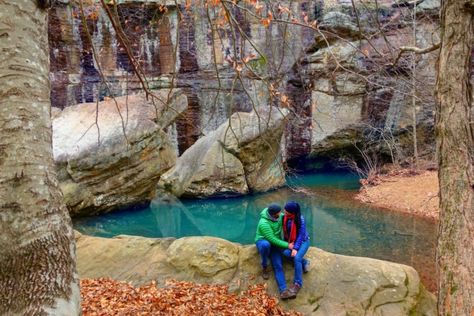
301, 234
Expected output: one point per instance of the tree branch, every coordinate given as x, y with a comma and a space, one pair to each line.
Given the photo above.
416, 50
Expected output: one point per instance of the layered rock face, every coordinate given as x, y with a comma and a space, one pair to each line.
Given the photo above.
340, 80
241, 156
111, 153
175, 46
336, 285
356, 89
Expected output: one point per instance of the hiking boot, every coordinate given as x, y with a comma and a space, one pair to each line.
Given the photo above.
287, 294
295, 288
307, 266
265, 273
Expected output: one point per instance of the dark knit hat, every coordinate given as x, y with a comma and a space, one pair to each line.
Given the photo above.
273, 209
292, 207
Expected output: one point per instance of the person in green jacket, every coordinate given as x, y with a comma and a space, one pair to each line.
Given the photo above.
269, 244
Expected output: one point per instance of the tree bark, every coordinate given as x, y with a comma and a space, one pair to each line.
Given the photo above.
37, 251
455, 144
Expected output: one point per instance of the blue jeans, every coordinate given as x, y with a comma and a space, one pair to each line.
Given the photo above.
298, 261
265, 249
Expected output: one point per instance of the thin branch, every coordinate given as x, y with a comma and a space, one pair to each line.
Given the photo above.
416, 50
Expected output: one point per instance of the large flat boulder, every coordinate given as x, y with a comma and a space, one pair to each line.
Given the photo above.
111, 154
241, 156
336, 285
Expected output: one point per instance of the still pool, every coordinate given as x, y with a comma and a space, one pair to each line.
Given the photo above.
336, 223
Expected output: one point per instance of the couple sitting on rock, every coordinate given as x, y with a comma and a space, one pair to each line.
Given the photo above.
294, 245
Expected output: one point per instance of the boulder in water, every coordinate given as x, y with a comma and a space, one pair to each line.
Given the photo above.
111, 154
241, 156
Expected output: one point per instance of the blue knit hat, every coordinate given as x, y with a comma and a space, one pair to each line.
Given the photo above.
292, 207
273, 209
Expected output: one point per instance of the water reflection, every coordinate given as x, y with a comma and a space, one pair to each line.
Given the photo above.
335, 223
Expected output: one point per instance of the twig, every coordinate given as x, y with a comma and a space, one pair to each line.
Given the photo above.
416, 50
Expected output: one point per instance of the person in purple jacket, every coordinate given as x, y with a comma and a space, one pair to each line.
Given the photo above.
294, 230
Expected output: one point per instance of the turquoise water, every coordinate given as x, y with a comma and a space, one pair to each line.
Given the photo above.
335, 222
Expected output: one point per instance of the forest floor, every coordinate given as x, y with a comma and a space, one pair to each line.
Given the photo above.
109, 297
404, 191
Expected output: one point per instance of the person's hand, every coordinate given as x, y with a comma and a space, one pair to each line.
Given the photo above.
291, 245
294, 252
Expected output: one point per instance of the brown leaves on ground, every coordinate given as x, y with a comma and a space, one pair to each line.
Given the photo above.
380, 178
109, 297
406, 191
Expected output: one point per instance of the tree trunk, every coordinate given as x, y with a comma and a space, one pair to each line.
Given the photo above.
37, 251
455, 145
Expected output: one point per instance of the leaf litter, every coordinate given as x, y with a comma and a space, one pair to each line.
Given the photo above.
105, 296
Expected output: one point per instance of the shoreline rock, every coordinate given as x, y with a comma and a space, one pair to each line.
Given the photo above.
111, 154
240, 157
336, 284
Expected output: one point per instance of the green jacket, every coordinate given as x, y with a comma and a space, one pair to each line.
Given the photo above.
270, 229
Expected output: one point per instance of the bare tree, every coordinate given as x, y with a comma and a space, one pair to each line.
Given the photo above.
455, 143
37, 251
